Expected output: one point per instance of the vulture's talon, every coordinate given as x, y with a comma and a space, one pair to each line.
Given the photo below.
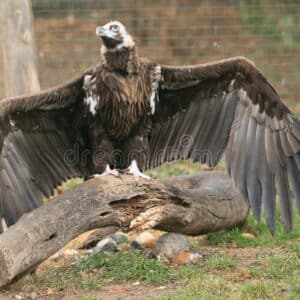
108, 171
134, 170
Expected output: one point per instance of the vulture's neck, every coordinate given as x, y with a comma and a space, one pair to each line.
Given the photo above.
124, 60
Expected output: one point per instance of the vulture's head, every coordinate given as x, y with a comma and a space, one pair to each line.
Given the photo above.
114, 36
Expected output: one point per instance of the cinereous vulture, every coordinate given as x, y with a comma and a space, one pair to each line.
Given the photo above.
131, 113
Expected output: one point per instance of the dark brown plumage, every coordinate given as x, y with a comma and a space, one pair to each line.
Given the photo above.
128, 109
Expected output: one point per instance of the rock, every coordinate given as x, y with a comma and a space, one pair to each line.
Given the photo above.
33, 296
186, 258
119, 237
19, 297
106, 245
171, 244
162, 287
50, 291
248, 235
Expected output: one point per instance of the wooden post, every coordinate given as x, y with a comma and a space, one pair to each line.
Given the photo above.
17, 48
191, 205
18, 59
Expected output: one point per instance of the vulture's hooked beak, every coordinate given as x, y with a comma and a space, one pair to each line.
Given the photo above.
106, 33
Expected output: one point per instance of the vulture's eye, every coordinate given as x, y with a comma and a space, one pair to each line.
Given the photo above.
114, 27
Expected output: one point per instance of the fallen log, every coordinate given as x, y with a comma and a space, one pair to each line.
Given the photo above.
191, 205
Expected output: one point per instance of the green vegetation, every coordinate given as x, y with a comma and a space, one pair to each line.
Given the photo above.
96, 270
87, 298
181, 167
127, 266
262, 236
69, 184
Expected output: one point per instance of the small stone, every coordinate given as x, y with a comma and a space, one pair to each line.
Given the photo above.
106, 245
50, 291
170, 244
248, 235
33, 296
19, 297
162, 287
136, 283
119, 237
70, 252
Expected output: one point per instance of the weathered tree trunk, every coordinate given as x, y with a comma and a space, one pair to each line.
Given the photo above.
191, 205
17, 48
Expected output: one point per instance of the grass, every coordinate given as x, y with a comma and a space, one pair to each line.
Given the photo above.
87, 298
99, 269
180, 168
275, 277
127, 266
263, 238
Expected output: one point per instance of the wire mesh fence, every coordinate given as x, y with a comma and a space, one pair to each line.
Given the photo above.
173, 32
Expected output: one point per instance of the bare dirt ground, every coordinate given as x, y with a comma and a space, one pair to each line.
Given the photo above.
109, 292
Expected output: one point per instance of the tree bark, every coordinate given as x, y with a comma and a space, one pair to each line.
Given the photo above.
18, 57
189, 204
17, 48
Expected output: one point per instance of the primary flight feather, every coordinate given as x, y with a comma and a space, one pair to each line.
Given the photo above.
132, 113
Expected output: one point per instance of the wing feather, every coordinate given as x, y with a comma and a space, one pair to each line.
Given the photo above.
294, 173
37, 132
252, 182
231, 105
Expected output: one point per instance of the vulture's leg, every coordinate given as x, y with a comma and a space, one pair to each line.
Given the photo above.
103, 154
135, 150
108, 171
134, 170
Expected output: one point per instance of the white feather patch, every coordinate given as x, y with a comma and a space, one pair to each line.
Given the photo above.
155, 82
92, 99
92, 102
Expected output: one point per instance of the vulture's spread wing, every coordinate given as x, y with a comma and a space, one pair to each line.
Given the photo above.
35, 141
203, 110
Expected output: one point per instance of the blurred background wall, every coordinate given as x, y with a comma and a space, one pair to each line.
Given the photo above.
173, 32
